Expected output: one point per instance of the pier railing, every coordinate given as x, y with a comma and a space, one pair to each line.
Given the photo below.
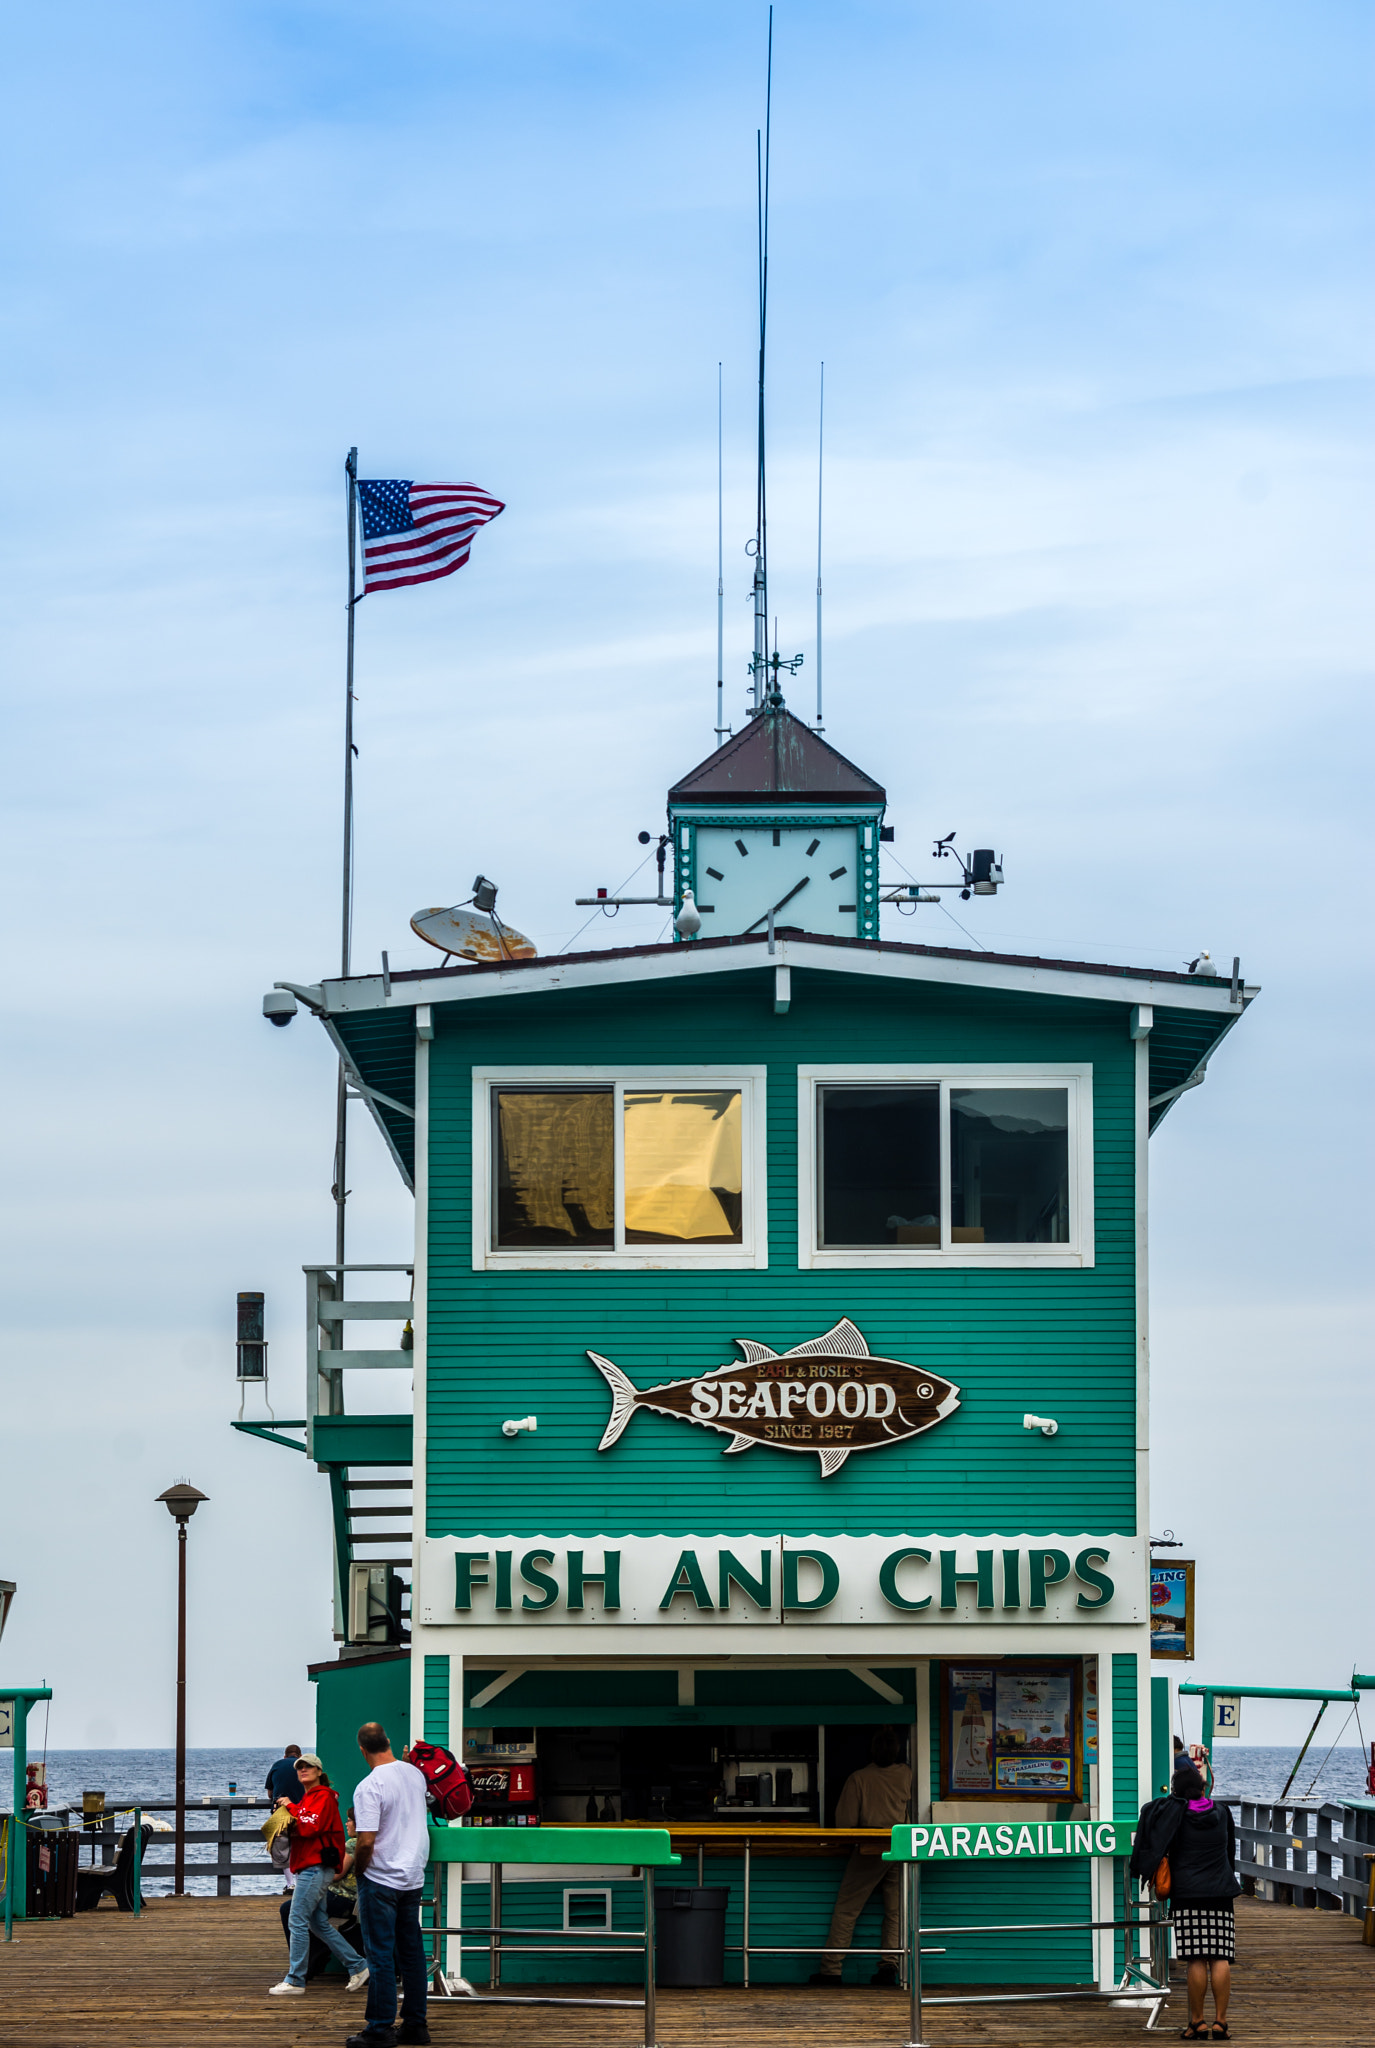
1290, 1855
221, 1837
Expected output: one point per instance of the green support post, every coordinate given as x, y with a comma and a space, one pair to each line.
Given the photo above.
1161, 1754
16, 1885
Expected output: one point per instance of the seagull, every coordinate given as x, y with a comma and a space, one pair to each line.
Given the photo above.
688, 922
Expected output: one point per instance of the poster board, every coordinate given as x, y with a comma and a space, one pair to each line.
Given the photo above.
1172, 1610
1012, 1728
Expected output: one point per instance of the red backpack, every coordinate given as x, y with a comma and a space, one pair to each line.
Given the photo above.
448, 1787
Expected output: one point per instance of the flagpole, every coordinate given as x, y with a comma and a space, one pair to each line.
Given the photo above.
341, 1107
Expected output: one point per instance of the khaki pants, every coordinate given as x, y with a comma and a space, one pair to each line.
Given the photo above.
863, 1875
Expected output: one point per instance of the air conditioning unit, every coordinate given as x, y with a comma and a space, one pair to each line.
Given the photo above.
374, 1604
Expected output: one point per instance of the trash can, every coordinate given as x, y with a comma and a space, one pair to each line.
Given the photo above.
690, 1930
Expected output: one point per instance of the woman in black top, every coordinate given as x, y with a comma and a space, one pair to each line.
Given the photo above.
1200, 1840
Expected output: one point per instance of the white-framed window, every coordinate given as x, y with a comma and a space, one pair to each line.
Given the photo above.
945, 1166
636, 1168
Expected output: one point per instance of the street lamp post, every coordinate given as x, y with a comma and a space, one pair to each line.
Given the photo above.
182, 1501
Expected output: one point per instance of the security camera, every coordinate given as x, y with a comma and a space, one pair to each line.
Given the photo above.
279, 1006
1045, 1423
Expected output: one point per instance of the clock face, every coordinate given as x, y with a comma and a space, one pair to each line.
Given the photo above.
808, 875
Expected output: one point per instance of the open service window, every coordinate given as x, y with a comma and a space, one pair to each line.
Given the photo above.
634, 1168
923, 1165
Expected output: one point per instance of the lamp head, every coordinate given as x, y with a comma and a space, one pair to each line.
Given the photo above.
183, 1500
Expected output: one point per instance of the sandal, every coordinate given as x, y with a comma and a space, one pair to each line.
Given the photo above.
1221, 2031
1197, 2030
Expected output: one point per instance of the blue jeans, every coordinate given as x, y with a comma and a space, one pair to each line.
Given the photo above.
390, 1921
308, 1916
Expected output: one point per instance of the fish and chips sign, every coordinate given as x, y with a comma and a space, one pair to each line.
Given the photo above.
1007, 1841
501, 1581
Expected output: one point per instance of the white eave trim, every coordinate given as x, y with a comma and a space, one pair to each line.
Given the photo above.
365, 992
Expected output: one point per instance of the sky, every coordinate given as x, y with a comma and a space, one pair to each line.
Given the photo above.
1092, 288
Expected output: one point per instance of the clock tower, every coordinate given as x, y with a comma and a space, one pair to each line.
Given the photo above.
777, 820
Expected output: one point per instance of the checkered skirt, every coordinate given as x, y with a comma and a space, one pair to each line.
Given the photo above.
1205, 1933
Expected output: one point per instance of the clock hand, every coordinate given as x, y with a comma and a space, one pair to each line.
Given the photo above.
797, 886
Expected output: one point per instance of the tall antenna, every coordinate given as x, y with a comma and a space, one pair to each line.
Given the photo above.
720, 581
341, 1106
759, 663
820, 452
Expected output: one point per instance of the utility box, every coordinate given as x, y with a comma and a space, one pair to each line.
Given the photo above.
374, 1607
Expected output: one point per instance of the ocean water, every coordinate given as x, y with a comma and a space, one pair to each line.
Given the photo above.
1245, 1772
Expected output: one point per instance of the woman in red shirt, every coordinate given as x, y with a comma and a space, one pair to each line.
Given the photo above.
317, 1850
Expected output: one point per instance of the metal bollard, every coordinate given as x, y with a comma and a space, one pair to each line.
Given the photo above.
138, 1859
914, 2015
651, 2011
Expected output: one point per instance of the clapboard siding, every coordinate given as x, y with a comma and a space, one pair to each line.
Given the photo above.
791, 1898
1126, 1796
1060, 1343
437, 1700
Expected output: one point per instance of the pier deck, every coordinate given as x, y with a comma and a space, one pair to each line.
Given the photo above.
190, 1973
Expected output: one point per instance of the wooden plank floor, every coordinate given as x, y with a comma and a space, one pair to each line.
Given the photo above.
194, 1972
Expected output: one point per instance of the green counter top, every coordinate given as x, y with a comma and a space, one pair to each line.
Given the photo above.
552, 1845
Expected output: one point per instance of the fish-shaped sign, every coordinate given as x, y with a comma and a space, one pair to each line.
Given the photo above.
830, 1395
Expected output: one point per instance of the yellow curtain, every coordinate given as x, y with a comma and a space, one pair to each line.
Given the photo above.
556, 1154
682, 1157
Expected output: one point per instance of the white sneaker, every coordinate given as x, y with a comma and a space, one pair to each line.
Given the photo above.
358, 1979
286, 1989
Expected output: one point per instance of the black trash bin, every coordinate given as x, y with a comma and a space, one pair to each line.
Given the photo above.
690, 1929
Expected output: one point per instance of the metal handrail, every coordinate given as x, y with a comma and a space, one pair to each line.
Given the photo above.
631, 1940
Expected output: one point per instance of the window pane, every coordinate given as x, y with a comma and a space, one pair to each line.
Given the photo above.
881, 1166
555, 1162
682, 1168
1009, 1166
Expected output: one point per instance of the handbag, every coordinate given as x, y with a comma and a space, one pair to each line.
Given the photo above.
1161, 1880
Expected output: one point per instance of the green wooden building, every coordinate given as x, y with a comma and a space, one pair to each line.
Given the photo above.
813, 1268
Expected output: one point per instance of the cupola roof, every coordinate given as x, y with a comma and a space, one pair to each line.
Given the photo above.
776, 759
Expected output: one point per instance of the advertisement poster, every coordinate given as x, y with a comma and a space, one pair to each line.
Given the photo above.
1090, 1713
1172, 1610
1034, 1731
971, 1728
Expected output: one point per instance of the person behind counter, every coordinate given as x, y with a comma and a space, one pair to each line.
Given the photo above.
878, 1796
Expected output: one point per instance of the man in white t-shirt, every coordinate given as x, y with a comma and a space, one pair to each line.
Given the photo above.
389, 1863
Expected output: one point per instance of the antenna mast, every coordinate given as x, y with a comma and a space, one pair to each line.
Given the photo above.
820, 451
341, 1110
759, 663
720, 581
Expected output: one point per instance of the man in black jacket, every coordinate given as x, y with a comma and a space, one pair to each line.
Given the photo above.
282, 1781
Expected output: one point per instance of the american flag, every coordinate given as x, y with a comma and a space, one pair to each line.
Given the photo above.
415, 533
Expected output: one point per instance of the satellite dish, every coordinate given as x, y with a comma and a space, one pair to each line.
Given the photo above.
472, 935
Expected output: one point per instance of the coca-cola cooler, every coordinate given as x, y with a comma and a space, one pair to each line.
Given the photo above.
505, 1791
